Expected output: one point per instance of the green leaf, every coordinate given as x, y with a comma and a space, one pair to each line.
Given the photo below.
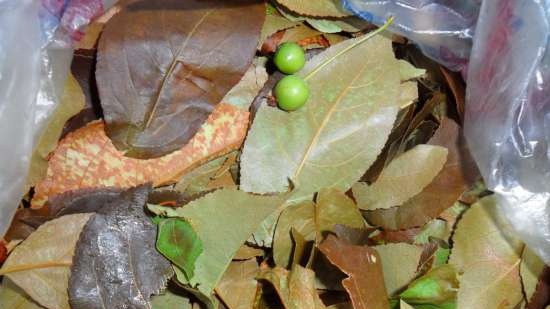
489, 256
252, 82
223, 220
179, 243
530, 270
403, 178
438, 286
13, 297
296, 288
353, 99
399, 262
407, 71
170, 300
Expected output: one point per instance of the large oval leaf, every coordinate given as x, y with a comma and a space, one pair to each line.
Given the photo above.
163, 65
53, 242
339, 133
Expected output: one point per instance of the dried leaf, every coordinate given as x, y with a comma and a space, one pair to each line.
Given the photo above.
158, 84
86, 158
362, 264
335, 207
457, 175
13, 297
322, 144
296, 288
246, 252
531, 269
117, 264
52, 244
402, 179
245, 91
223, 220
275, 23
72, 101
489, 257
400, 263
198, 179
237, 288
179, 243
323, 8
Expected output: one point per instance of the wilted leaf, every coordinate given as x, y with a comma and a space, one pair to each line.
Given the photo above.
403, 178
170, 300
13, 297
274, 23
246, 252
164, 65
70, 104
324, 8
245, 91
223, 220
458, 173
530, 270
237, 288
87, 158
489, 257
50, 248
117, 264
437, 287
400, 263
179, 243
296, 288
335, 207
362, 264
353, 99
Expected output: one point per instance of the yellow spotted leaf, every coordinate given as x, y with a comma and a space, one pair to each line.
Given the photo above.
87, 158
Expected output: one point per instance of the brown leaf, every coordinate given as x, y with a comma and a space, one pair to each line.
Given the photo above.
164, 65
362, 264
238, 285
457, 175
87, 158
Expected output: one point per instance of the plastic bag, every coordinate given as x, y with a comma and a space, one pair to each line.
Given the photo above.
35, 54
503, 49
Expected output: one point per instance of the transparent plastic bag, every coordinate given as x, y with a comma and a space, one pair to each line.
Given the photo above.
503, 49
35, 54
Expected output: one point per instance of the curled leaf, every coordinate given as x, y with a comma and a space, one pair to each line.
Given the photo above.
164, 65
87, 158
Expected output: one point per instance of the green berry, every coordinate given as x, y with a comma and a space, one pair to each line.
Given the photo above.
291, 93
289, 58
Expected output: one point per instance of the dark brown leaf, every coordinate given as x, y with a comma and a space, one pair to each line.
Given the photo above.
457, 175
116, 264
363, 265
164, 65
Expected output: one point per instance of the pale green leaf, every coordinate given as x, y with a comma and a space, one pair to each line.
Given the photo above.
436, 228
530, 270
404, 305
399, 263
324, 8
403, 178
71, 103
274, 23
437, 287
242, 94
198, 179
337, 135
324, 25
223, 220
488, 255
407, 71
13, 297
53, 242
170, 300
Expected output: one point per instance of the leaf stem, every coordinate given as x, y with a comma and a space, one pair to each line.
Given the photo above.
345, 50
17, 268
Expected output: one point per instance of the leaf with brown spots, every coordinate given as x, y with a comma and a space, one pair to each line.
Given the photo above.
365, 282
456, 176
87, 158
164, 65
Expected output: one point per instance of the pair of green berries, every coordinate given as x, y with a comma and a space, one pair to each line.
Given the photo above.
291, 91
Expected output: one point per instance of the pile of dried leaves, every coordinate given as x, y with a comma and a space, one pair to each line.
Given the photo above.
187, 188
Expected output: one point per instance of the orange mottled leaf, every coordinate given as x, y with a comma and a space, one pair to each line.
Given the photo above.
87, 158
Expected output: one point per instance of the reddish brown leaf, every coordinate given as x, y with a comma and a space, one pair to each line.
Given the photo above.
3, 252
164, 65
365, 282
457, 175
87, 158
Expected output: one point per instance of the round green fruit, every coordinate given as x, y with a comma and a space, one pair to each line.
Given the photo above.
291, 93
289, 58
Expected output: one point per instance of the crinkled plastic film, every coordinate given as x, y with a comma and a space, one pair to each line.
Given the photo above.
502, 48
35, 53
